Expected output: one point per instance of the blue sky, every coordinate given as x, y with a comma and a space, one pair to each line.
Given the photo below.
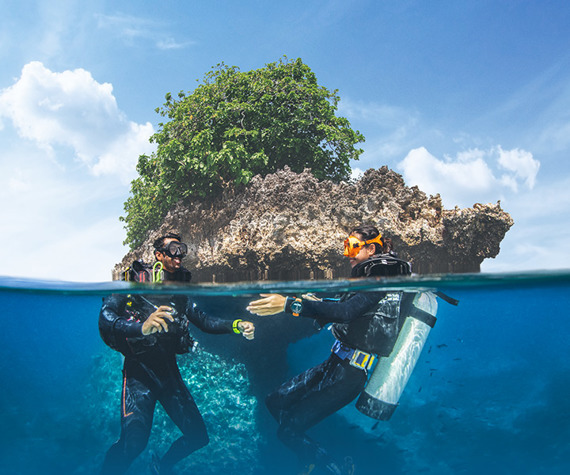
469, 99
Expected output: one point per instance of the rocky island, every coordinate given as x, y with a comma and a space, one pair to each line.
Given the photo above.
291, 226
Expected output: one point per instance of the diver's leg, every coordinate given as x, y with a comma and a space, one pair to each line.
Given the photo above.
181, 408
291, 392
314, 395
137, 409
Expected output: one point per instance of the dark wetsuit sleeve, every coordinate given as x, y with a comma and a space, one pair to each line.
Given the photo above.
342, 311
111, 315
205, 322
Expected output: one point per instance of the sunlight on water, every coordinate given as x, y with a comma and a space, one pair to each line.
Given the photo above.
488, 394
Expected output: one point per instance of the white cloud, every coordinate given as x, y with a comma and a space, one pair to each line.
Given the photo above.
356, 174
67, 220
65, 166
71, 109
471, 176
521, 164
127, 146
131, 28
171, 43
541, 211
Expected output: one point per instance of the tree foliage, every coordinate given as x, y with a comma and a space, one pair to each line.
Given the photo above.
234, 126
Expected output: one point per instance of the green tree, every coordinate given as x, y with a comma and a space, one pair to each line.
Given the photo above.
234, 126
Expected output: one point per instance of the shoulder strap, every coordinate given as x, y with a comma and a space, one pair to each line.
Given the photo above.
447, 298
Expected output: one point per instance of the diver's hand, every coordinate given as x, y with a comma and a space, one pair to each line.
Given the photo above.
270, 304
157, 321
247, 329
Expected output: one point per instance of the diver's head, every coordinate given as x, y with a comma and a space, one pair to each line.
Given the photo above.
363, 243
170, 251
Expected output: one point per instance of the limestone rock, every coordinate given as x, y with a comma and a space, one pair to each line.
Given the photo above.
290, 226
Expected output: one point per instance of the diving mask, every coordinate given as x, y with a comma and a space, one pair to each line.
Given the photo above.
175, 249
353, 245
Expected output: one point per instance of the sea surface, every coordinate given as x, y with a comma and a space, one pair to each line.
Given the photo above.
490, 392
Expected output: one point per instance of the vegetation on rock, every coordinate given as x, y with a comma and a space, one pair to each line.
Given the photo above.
236, 125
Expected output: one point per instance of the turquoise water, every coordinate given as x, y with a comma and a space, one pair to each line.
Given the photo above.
488, 395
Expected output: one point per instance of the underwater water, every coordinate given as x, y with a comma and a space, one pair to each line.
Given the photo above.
490, 392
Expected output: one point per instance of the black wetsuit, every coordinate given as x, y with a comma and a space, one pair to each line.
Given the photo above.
150, 374
367, 321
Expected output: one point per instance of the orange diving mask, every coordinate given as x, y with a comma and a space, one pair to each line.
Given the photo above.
353, 245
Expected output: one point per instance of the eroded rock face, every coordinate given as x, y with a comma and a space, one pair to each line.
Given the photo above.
290, 226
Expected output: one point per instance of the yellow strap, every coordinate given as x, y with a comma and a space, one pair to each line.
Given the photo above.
235, 326
157, 272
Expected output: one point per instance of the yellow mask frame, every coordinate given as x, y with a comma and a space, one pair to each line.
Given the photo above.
353, 245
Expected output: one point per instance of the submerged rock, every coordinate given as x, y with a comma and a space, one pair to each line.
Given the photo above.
290, 226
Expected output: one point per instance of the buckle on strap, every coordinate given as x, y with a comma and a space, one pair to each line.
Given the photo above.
358, 359
362, 360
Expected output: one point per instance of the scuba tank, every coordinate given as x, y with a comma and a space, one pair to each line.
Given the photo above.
380, 397
381, 394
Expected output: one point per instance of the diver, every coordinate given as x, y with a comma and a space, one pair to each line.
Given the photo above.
150, 331
365, 325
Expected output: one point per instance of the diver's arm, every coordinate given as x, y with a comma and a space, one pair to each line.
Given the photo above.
205, 322
342, 311
111, 315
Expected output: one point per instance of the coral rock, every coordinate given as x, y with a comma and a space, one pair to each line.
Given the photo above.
290, 226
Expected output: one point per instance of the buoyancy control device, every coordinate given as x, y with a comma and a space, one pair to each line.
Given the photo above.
138, 308
140, 271
382, 265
